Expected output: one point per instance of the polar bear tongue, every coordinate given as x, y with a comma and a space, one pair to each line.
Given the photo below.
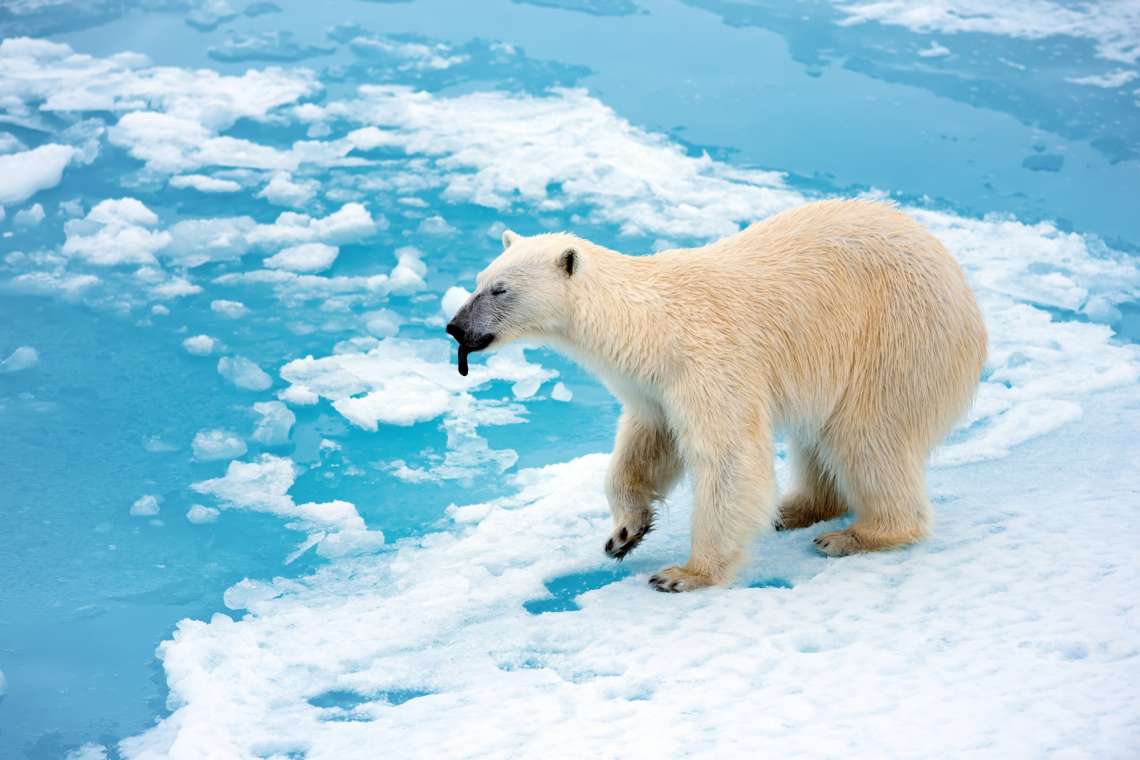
463, 351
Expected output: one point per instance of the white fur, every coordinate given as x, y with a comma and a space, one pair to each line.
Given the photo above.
843, 323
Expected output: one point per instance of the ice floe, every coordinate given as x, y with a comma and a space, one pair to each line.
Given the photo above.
211, 445
146, 506
432, 648
244, 373
22, 358
24, 174
1114, 25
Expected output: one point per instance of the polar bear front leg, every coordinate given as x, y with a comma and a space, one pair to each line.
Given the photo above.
735, 496
645, 465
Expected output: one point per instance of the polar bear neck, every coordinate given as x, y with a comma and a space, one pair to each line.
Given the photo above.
618, 325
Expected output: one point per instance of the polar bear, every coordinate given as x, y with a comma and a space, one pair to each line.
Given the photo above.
842, 323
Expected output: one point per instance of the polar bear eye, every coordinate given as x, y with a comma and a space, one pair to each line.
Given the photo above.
498, 290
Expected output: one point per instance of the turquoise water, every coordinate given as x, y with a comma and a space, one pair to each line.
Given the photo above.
108, 412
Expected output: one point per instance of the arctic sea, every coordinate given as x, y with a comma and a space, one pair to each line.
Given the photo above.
250, 509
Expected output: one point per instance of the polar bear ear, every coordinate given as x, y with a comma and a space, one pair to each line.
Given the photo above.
509, 238
568, 261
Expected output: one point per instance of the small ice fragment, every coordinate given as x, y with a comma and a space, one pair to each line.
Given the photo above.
561, 393
200, 515
145, 506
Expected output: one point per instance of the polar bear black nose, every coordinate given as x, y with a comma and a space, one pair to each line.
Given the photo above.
456, 331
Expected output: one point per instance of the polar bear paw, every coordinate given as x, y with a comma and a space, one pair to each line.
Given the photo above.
672, 580
838, 543
626, 538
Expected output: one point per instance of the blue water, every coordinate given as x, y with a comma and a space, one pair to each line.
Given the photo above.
87, 591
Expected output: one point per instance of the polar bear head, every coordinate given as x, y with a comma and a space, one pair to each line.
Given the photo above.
524, 293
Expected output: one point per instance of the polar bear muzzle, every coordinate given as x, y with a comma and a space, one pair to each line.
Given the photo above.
470, 328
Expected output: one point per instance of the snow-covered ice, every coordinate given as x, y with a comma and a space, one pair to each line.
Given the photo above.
1009, 634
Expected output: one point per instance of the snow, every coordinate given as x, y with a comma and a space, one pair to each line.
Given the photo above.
24, 174
145, 506
244, 373
212, 445
274, 421
1006, 635
24, 357
307, 257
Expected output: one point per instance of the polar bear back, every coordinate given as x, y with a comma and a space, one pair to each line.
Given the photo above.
836, 301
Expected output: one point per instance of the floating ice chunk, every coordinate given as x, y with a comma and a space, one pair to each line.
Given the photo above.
403, 382
282, 190
204, 183
200, 345
526, 388
194, 242
57, 78
24, 174
30, 216
145, 506
307, 257
156, 445
231, 309
200, 515
1112, 79
934, 51
158, 310
88, 751
436, 225
638, 180
212, 445
244, 373
275, 420
67, 286
115, 232
170, 143
561, 393
408, 274
265, 46
24, 357
298, 395
383, 323
1113, 26
208, 15
335, 527
175, 287
351, 223
453, 301
9, 143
